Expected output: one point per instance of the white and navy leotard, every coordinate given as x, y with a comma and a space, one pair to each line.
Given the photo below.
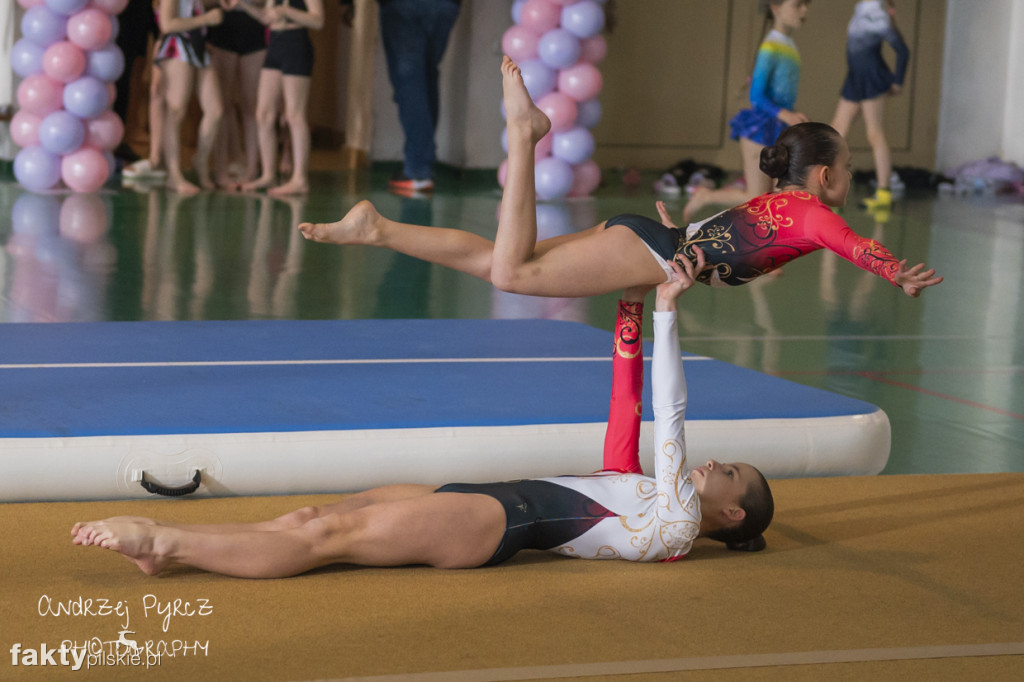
869, 75
613, 515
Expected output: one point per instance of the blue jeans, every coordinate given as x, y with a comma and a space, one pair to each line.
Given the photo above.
415, 34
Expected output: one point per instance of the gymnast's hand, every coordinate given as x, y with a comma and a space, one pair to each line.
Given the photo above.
666, 219
686, 277
916, 279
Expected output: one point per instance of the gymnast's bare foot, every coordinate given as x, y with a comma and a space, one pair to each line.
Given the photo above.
261, 182
83, 533
359, 226
144, 544
521, 114
290, 188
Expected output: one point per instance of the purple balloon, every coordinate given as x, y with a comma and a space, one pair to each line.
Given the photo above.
106, 63
66, 7
33, 214
539, 78
517, 10
43, 26
553, 178
575, 145
588, 113
61, 133
559, 48
86, 97
583, 19
26, 58
37, 169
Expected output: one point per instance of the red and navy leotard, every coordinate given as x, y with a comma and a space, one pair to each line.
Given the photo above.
768, 231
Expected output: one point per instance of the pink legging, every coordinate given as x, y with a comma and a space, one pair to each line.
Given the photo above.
622, 438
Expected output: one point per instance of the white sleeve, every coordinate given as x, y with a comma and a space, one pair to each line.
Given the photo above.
668, 389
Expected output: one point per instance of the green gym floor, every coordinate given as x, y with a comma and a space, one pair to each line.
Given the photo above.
946, 368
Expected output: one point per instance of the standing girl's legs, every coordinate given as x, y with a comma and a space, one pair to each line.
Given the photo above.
296, 99
267, 94
178, 78
593, 262
757, 184
248, 75
211, 102
846, 114
874, 121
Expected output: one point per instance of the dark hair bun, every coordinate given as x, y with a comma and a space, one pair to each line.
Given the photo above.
775, 161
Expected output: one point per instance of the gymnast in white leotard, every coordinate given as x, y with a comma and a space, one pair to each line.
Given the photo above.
609, 515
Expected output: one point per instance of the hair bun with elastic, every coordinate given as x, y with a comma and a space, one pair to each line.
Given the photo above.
775, 161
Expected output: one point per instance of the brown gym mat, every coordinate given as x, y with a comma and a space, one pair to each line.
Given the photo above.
893, 577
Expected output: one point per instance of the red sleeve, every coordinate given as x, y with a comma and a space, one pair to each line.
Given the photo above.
830, 231
622, 438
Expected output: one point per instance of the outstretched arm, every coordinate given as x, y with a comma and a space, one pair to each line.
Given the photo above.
833, 233
678, 510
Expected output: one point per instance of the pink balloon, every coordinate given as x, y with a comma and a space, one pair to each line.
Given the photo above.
586, 177
63, 62
502, 172
520, 43
594, 49
83, 218
84, 170
105, 131
41, 95
25, 128
29, 4
90, 29
111, 7
560, 108
581, 81
540, 16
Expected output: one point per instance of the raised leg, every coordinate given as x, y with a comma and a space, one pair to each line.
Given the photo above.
592, 262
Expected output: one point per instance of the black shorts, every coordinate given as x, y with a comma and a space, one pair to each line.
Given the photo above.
290, 52
663, 240
538, 514
238, 33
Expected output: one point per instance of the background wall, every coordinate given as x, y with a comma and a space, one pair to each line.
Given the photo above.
982, 105
675, 74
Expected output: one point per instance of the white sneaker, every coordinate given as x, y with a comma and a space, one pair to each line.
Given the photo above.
143, 169
667, 184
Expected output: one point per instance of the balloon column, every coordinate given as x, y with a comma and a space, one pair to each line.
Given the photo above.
557, 44
68, 62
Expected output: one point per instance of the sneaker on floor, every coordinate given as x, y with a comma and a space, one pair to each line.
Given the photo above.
407, 184
143, 169
667, 184
881, 199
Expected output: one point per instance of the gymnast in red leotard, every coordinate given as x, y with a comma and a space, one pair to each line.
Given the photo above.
809, 160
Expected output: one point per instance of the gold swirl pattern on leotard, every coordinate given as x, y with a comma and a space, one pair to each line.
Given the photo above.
628, 342
877, 259
742, 243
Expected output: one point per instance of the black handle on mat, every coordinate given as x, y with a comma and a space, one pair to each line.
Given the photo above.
186, 489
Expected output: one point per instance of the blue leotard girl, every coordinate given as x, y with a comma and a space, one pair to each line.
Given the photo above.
773, 88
